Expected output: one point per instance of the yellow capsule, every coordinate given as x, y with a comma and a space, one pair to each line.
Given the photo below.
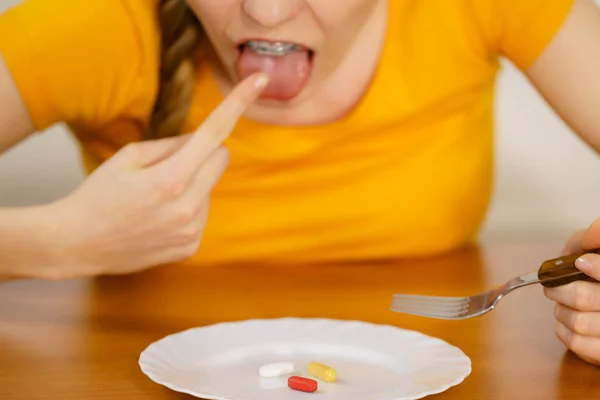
322, 372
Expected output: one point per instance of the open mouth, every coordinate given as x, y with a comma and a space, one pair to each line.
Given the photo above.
289, 66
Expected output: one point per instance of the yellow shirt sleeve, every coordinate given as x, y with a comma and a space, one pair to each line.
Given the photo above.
79, 61
520, 30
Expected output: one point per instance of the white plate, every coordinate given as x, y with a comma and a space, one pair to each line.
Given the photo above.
373, 362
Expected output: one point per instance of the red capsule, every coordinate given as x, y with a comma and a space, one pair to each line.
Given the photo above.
302, 384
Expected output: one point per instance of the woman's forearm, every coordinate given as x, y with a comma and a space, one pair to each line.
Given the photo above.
29, 243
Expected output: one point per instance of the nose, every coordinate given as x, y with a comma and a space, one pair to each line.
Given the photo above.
271, 13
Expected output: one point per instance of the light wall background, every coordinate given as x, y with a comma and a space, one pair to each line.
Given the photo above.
547, 180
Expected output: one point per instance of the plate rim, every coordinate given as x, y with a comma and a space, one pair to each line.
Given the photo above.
443, 388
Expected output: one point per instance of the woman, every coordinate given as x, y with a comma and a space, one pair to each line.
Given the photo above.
366, 129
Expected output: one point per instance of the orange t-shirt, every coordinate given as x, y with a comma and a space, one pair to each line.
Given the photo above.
408, 172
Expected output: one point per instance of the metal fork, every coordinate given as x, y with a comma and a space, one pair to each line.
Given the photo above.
555, 272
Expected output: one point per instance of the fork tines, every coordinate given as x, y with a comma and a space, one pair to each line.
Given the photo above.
429, 306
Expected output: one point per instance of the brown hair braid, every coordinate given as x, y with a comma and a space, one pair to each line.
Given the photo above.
181, 33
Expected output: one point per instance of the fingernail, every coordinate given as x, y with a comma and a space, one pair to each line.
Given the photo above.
583, 263
262, 81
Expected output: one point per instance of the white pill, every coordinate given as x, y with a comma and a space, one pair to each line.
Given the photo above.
276, 369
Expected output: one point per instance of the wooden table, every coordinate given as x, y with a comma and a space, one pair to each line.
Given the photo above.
81, 339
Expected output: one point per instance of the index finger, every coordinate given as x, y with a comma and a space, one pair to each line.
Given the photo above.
591, 237
574, 244
219, 124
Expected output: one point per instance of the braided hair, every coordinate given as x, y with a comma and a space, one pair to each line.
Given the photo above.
180, 36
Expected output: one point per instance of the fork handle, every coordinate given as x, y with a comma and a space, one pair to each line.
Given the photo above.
562, 270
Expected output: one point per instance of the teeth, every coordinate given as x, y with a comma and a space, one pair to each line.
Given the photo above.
272, 49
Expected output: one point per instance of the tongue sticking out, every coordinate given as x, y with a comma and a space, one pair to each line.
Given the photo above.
288, 73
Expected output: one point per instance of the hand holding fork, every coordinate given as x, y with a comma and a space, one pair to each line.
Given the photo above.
572, 281
552, 273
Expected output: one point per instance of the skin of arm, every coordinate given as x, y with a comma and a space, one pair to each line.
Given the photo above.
567, 73
15, 122
28, 246
26, 232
